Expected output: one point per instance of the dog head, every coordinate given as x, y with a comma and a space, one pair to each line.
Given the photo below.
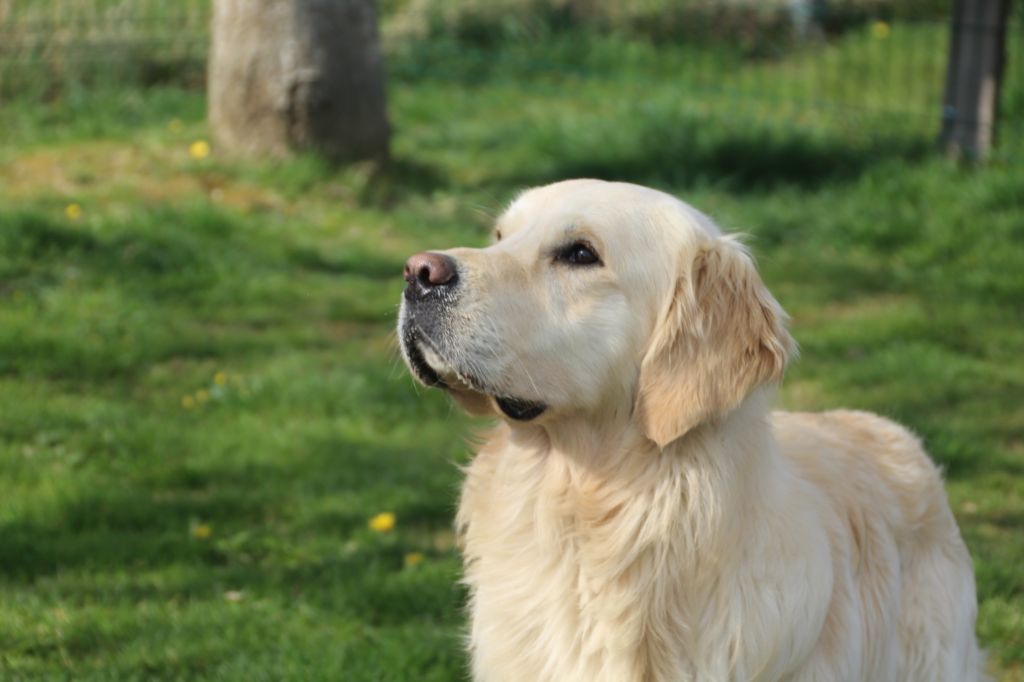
595, 297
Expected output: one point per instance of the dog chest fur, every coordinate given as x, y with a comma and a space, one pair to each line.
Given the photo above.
644, 565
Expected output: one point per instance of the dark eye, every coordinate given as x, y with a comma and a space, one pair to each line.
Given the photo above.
578, 253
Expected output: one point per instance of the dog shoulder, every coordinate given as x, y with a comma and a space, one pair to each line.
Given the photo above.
844, 449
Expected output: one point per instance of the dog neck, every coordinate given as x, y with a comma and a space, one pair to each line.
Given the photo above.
605, 443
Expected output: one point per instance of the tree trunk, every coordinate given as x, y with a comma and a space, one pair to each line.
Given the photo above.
977, 54
287, 75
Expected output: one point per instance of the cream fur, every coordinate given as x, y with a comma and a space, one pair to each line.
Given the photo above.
658, 521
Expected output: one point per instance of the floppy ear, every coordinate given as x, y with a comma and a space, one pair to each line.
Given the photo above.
722, 335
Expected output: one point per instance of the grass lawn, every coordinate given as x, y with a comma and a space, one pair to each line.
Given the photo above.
201, 405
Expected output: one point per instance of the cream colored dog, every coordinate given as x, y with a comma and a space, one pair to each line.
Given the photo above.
640, 513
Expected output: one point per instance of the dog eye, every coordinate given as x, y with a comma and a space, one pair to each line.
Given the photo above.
578, 253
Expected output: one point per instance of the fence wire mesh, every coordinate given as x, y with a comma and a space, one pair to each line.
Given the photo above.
868, 68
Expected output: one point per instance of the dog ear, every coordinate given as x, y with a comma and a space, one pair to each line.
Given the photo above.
722, 335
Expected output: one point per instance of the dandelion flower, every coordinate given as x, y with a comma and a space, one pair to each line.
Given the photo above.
73, 211
202, 531
383, 522
220, 378
413, 559
880, 30
199, 149
202, 395
188, 402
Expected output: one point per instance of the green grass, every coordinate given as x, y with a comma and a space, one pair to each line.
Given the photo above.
201, 405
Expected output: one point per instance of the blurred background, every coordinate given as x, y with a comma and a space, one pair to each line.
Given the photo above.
212, 463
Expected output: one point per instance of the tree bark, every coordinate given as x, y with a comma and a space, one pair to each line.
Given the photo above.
297, 75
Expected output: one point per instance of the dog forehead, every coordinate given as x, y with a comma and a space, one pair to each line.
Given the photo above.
582, 197
615, 209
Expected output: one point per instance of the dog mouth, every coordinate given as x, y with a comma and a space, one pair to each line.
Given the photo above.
435, 371
418, 363
520, 410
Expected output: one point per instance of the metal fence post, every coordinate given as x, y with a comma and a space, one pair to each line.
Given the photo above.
977, 54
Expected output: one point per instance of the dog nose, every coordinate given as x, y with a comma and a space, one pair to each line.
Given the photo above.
427, 271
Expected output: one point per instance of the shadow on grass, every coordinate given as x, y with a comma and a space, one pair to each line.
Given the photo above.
371, 183
194, 281
165, 252
681, 151
390, 182
296, 508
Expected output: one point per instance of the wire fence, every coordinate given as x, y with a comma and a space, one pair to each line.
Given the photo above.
868, 66
48, 47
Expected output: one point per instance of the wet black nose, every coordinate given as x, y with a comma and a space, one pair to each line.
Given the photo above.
428, 271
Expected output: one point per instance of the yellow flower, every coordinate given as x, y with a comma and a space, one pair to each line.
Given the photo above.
199, 149
202, 531
383, 522
188, 402
220, 378
73, 211
202, 395
413, 559
880, 30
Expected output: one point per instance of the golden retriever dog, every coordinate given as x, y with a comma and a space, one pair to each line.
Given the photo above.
639, 512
